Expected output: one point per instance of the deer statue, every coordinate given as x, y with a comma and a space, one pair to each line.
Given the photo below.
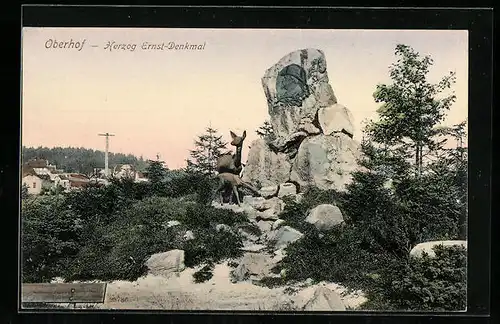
234, 181
232, 163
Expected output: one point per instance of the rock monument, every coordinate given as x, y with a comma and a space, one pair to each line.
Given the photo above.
314, 143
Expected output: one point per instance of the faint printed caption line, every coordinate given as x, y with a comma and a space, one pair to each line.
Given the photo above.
115, 46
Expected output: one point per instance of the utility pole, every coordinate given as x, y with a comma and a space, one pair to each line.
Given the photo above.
106, 161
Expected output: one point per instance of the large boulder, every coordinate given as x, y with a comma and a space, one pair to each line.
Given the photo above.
336, 119
325, 161
166, 263
313, 144
295, 87
265, 168
325, 216
283, 236
428, 247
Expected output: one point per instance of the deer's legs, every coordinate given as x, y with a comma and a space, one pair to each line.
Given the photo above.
235, 190
218, 191
230, 201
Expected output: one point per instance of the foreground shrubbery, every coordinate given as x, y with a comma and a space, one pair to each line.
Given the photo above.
108, 233
370, 251
423, 284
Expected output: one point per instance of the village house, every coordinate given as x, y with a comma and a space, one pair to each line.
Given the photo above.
38, 174
140, 177
122, 171
77, 181
35, 182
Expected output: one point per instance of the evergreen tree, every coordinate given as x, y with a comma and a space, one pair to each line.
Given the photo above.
266, 131
156, 173
208, 148
411, 109
406, 154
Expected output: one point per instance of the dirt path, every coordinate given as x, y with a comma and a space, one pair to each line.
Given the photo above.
179, 292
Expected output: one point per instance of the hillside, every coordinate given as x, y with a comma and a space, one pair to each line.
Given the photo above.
79, 159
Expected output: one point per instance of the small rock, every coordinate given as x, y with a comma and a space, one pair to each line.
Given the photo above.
306, 125
287, 189
268, 214
253, 248
336, 118
223, 227
172, 223
265, 226
241, 273
286, 235
279, 255
277, 224
427, 247
255, 202
189, 235
275, 204
247, 236
254, 264
319, 298
269, 191
325, 217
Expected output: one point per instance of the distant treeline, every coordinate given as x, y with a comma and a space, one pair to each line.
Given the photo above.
82, 160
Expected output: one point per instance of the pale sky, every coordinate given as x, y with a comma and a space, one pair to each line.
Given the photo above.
158, 101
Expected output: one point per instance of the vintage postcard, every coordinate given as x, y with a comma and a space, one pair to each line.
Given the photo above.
244, 169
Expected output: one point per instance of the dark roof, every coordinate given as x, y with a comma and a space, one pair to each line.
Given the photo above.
37, 163
27, 170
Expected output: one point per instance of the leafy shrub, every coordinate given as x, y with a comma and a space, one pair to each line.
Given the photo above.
119, 249
202, 216
211, 246
336, 256
204, 274
50, 236
384, 224
432, 201
97, 205
186, 184
422, 284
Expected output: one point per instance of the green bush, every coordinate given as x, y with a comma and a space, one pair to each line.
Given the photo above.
98, 206
370, 251
202, 216
336, 256
204, 274
187, 184
211, 246
119, 249
431, 201
51, 235
422, 284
